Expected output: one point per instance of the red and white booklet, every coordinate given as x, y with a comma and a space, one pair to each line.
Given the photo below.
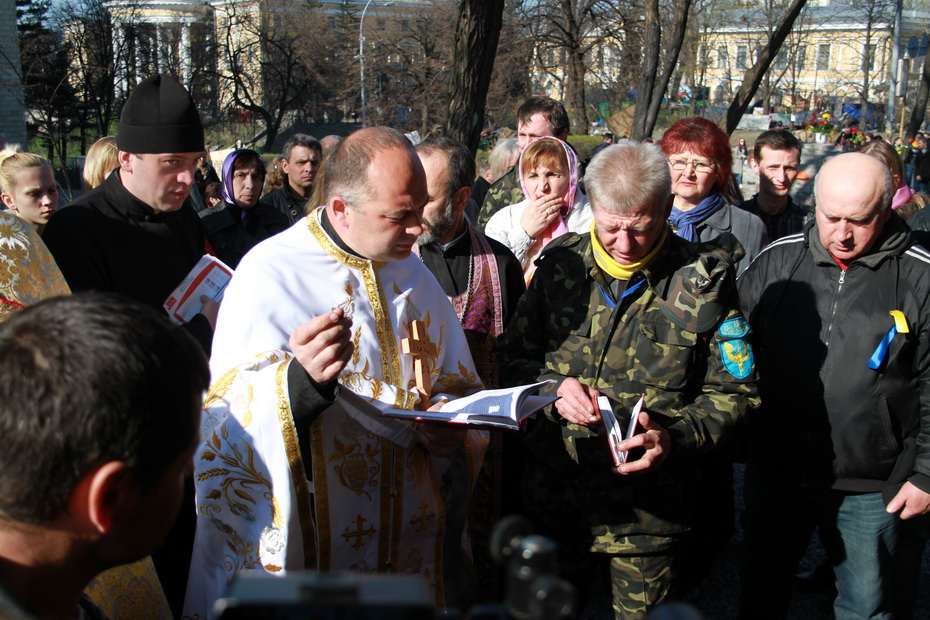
614, 433
208, 277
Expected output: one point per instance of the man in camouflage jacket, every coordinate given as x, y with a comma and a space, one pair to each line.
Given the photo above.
628, 310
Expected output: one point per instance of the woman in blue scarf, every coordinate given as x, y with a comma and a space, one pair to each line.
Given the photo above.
701, 163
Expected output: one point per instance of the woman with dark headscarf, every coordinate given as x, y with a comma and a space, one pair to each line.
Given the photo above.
240, 221
701, 163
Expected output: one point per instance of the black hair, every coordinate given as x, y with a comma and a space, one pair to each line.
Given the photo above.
86, 380
461, 161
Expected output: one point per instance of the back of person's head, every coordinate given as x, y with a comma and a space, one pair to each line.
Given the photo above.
100, 161
300, 139
347, 167
87, 380
503, 156
701, 137
213, 191
628, 175
461, 163
329, 143
776, 140
551, 109
12, 161
885, 153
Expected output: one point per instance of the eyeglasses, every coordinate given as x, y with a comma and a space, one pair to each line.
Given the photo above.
701, 167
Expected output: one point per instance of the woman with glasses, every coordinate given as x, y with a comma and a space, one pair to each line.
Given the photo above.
701, 163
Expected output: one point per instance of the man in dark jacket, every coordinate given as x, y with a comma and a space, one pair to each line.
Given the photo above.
300, 160
137, 233
841, 324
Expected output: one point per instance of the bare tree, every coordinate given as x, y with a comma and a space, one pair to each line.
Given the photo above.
566, 32
754, 75
267, 63
476, 37
655, 78
876, 17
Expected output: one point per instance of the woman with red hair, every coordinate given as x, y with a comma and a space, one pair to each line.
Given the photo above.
701, 163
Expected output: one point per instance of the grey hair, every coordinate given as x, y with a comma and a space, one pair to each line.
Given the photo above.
503, 155
300, 139
627, 175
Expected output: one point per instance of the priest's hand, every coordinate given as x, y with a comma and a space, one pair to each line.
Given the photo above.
577, 402
439, 438
209, 309
654, 439
323, 345
540, 213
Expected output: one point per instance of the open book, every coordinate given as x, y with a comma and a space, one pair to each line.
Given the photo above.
497, 409
614, 432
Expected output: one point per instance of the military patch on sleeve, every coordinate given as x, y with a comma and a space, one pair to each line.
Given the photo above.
735, 351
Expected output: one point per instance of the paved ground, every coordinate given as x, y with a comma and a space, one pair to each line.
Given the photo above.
717, 598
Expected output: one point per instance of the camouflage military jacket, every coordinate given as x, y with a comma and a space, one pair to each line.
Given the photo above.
677, 336
504, 192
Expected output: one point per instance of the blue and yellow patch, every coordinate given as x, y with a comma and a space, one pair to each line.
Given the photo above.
735, 351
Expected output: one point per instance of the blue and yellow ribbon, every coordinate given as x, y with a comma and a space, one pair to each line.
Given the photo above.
899, 327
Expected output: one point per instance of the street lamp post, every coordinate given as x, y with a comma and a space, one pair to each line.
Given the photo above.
361, 52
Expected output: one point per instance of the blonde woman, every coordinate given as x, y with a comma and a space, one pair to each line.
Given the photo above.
28, 187
100, 161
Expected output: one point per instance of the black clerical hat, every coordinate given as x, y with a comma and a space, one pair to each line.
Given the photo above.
160, 117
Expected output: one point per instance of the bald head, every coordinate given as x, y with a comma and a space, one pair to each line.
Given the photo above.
854, 194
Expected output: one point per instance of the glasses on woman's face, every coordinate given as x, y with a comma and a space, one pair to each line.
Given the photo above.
701, 167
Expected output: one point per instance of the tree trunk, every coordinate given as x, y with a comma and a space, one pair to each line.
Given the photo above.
651, 48
660, 85
754, 76
476, 37
920, 105
577, 108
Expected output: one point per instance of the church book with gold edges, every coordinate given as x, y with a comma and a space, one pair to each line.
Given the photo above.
504, 408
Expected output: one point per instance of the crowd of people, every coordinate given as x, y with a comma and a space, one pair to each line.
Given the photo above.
250, 440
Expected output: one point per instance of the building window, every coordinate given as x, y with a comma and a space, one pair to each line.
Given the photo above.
781, 60
722, 58
799, 57
742, 55
380, 24
868, 57
823, 57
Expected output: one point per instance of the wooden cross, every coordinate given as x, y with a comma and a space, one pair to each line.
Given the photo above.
359, 533
422, 351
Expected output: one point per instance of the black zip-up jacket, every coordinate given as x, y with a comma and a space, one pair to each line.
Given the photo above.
827, 419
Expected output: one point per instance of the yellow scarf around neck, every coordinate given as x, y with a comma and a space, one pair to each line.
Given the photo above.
611, 267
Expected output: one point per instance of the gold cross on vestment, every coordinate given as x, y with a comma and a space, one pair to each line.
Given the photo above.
359, 533
419, 521
422, 350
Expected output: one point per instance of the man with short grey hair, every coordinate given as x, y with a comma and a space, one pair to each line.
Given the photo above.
628, 311
300, 160
840, 319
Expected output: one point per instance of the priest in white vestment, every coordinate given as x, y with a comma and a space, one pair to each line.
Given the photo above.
298, 471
